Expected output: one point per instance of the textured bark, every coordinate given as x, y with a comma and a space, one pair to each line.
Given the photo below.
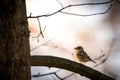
14, 41
81, 69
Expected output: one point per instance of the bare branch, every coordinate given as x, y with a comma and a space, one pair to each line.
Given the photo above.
81, 69
84, 4
41, 75
45, 43
51, 73
59, 3
40, 28
44, 28
40, 33
61, 11
88, 14
68, 76
101, 56
108, 54
58, 76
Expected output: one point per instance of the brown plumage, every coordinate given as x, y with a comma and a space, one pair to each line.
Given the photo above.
81, 55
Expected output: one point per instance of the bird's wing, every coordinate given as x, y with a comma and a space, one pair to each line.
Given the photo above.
86, 56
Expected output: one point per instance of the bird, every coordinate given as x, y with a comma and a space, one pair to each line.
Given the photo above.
81, 55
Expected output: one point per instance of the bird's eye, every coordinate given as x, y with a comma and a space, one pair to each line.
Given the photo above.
80, 54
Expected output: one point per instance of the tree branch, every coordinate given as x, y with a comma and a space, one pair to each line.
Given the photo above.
81, 69
46, 74
108, 53
59, 3
40, 33
85, 15
84, 4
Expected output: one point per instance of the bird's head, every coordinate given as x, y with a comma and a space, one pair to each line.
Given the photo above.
78, 48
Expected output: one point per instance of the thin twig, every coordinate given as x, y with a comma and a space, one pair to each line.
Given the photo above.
101, 56
88, 14
55, 73
40, 33
41, 44
58, 76
68, 76
40, 28
44, 28
41, 75
109, 52
59, 3
84, 4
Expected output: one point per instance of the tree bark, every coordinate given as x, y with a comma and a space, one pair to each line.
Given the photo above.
14, 41
81, 69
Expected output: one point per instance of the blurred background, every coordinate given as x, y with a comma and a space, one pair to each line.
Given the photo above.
98, 34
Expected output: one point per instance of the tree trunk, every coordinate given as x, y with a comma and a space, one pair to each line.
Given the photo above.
14, 41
